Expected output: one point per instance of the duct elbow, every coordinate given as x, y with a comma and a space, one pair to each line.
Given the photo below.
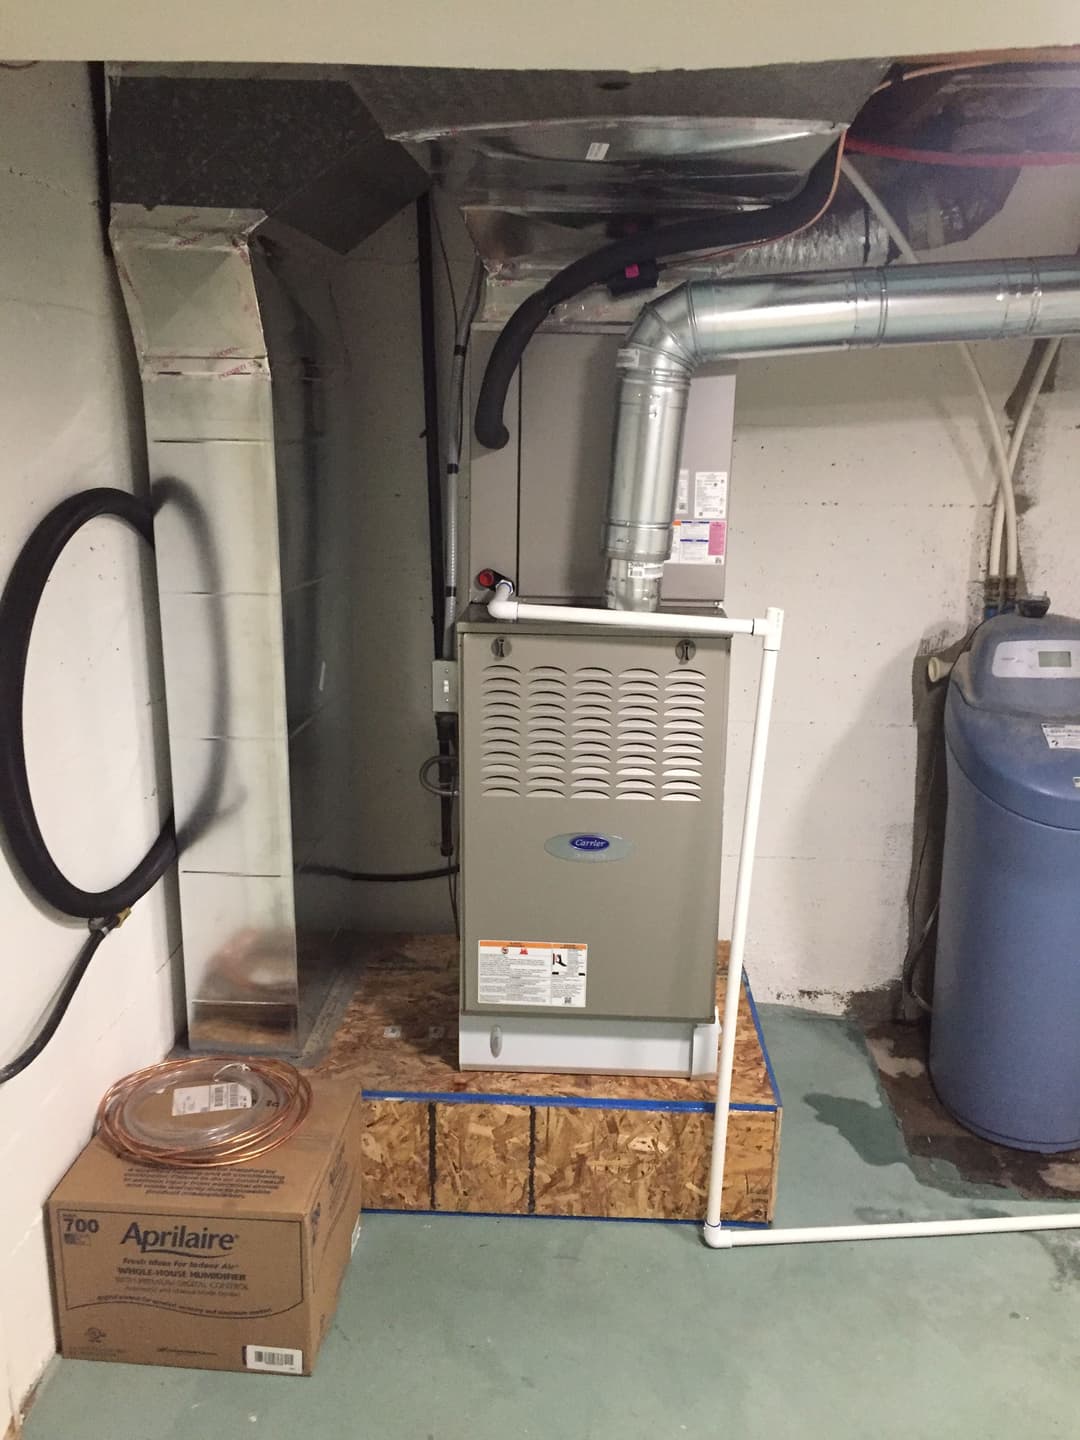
663, 337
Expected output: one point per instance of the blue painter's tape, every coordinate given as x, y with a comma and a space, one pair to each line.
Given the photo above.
596, 1219
764, 1048
557, 1102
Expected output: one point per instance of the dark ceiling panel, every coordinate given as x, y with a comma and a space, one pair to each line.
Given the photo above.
305, 151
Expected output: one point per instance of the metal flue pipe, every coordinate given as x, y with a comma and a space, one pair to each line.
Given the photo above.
785, 315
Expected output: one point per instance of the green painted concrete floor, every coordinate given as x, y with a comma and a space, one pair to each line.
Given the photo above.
479, 1329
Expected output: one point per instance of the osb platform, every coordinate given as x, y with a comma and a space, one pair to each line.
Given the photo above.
616, 1147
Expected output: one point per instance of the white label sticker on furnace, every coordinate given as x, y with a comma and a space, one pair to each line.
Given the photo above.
710, 494
1062, 737
682, 499
524, 972
199, 1099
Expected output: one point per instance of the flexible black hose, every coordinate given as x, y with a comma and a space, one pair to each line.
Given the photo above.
60, 1005
709, 232
18, 607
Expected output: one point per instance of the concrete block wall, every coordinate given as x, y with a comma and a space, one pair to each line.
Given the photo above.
70, 417
860, 502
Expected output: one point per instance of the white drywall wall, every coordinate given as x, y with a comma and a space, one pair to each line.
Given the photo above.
70, 418
860, 503
519, 34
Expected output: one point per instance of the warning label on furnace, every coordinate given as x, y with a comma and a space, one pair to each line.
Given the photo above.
1062, 737
698, 542
526, 972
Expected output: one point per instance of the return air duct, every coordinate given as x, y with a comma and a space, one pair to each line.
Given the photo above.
790, 314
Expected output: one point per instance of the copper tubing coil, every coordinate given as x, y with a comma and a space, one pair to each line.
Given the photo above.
283, 1118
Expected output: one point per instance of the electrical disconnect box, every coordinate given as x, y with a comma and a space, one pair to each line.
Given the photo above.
592, 759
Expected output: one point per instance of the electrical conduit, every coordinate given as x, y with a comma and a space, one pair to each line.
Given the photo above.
453, 452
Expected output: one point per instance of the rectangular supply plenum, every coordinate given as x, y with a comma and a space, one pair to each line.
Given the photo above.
592, 789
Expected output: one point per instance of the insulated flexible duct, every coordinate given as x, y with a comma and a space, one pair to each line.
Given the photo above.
749, 227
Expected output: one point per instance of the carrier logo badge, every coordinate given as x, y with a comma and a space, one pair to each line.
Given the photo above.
590, 846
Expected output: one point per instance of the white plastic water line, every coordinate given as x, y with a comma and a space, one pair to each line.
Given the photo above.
1005, 498
1004, 519
1016, 444
769, 629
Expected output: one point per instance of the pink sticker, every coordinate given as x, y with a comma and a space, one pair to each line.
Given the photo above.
717, 537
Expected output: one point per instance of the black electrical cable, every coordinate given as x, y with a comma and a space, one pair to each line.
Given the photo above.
18, 607
338, 872
60, 1006
105, 909
727, 231
917, 943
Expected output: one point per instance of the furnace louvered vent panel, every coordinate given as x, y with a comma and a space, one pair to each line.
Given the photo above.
501, 724
547, 732
593, 733
684, 734
633, 734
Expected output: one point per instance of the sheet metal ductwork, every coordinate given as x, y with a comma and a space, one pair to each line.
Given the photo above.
790, 314
548, 165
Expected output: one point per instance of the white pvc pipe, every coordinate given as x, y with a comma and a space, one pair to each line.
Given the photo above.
716, 1236
503, 606
747, 848
902, 1230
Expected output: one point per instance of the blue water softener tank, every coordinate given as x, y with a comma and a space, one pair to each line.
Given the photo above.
1005, 1034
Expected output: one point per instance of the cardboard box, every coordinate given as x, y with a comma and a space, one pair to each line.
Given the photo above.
225, 1268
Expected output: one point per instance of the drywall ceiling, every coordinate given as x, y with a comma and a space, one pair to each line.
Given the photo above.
633, 34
